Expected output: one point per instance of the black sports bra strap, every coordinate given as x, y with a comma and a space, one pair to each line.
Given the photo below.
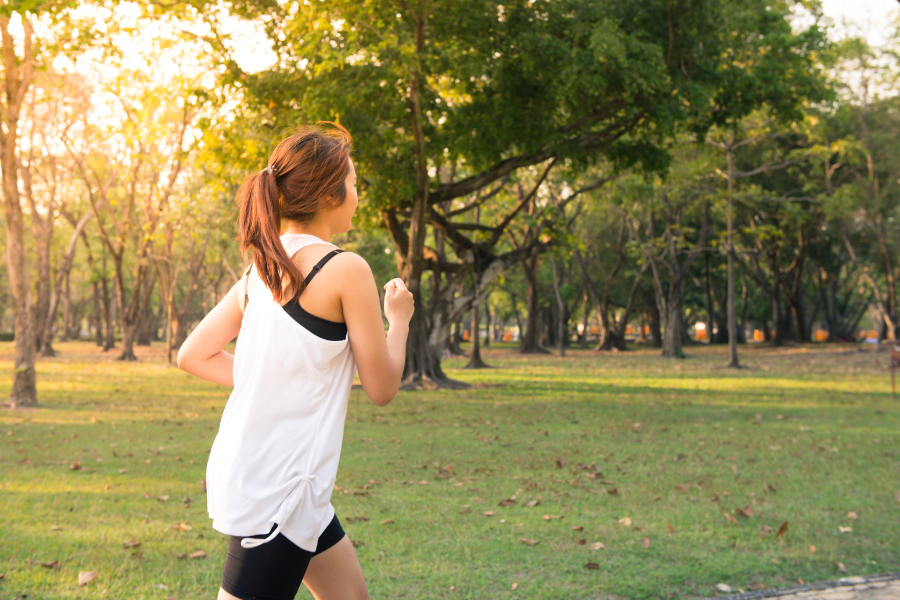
321, 264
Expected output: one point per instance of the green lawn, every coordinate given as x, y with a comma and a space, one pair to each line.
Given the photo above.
682, 449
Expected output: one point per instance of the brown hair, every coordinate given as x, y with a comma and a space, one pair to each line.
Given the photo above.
306, 172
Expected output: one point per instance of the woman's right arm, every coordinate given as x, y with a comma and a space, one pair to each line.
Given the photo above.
379, 359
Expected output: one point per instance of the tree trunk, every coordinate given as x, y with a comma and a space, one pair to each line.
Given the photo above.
62, 275
475, 361
529, 342
17, 78
562, 317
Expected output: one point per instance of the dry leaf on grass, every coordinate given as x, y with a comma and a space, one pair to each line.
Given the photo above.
463, 511
50, 565
162, 498
812, 549
625, 521
670, 528
646, 542
724, 588
597, 546
76, 466
783, 529
852, 516
731, 518
182, 527
551, 517
515, 585
532, 503
197, 554
845, 529
745, 512
840, 567
592, 566
613, 492
577, 528
85, 577
766, 529
528, 542
488, 513
131, 544
387, 522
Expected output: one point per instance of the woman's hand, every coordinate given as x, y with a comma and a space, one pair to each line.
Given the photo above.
399, 303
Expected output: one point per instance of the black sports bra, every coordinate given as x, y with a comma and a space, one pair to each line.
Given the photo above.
323, 328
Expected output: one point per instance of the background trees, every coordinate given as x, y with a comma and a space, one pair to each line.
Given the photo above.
703, 165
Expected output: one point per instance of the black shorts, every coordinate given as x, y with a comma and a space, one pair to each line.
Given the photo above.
274, 570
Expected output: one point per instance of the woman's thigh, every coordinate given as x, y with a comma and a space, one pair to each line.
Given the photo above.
335, 574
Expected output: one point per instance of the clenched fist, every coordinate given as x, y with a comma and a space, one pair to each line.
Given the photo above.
398, 302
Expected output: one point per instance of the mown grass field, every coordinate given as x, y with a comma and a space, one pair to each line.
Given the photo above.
705, 462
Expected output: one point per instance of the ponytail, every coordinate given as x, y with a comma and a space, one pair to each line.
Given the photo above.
306, 173
260, 227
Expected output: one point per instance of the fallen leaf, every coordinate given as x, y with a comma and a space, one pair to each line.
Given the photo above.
515, 585
840, 567
528, 542
76, 466
731, 518
122, 471
160, 586
55, 528
162, 498
452, 588
463, 511
613, 492
2, 575
592, 566
625, 521
851, 515
532, 503
724, 588
581, 541
131, 544
488, 513
182, 527
845, 529
51, 565
85, 577
356, 543
670, 528
745, 512
766, 529
577, 528
812, 549
549, 517
646, 542
197, 554
597, 546
507, 502
782, 530
387, 522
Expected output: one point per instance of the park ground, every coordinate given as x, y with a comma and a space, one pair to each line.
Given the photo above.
592, 476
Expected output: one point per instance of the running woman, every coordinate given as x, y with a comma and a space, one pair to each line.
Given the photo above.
308, 316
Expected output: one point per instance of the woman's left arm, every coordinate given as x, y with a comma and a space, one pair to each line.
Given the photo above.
201, 353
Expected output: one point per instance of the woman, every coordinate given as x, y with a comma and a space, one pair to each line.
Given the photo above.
273, 464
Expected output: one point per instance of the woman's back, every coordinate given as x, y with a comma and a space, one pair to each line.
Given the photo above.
281, 432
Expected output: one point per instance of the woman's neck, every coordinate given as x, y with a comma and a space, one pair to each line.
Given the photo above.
314, 228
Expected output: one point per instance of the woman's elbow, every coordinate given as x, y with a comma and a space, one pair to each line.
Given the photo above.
382, 398
182, 359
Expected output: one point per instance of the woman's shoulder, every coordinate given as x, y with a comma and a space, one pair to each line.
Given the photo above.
351, 264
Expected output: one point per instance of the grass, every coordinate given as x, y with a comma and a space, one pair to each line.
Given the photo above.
804, 436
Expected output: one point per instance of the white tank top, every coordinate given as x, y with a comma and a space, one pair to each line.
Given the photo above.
275, 458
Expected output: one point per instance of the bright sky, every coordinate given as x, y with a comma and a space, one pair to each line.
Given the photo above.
868, 17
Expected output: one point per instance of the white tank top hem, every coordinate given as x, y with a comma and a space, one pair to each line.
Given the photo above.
274, 461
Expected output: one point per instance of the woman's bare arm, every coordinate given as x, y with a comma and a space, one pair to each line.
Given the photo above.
202, 354
379, 358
